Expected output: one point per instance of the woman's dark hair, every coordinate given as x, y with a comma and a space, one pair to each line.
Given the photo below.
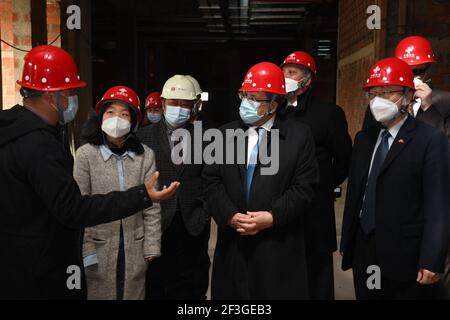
92, 133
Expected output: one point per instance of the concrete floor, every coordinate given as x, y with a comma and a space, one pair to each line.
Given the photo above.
343, 281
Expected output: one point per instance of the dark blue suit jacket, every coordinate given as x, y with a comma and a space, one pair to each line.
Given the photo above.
413, 201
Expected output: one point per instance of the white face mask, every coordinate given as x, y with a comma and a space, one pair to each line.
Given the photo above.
116, 127
291, 85
384, 110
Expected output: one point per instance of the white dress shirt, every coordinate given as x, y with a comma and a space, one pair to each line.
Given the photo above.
393, 134
416, 106
253, 136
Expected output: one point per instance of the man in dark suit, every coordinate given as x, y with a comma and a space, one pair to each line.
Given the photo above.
432, 106
260, 250
333, 151
182, 272
395, 229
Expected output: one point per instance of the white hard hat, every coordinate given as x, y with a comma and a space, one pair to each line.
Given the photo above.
179, 87
198, 89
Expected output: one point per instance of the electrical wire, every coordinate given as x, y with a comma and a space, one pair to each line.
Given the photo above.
23, 50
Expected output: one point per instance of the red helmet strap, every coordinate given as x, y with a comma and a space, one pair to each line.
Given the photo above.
59, 106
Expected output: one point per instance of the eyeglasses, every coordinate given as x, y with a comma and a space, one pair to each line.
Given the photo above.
186, 104
382, 94
243, 96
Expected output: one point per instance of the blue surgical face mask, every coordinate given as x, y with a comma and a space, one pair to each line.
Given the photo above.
72, 109
177, 116
154, 117
249, 111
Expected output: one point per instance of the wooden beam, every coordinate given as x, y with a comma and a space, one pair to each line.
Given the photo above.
402, 15
78, 44
380, 35
38, 22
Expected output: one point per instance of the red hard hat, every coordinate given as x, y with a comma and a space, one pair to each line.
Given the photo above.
415, 50
153, 101
49, 68
390, 72
264, 77
123, 94
303, 59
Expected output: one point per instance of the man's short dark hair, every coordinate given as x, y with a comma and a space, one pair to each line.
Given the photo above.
30, 93
273, 97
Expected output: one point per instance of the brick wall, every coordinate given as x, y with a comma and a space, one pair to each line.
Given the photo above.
431, 19
7, 34
358, 49
351, 97
53, 21
22, 39
15, 28
353, 34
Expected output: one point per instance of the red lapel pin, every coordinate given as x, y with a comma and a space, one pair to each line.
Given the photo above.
401, 141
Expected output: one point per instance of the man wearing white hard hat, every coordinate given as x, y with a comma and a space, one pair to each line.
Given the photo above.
182, 272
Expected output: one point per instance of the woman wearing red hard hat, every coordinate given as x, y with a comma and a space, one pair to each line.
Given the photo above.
43, 217
115, 160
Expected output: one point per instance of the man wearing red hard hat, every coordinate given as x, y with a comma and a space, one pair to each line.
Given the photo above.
44, 212
333, 151
395, 227
431, 105
153, 109
260, 251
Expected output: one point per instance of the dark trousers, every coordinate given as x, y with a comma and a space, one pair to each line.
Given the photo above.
442, 289
120, 275
320, 274
182, 271
365, 256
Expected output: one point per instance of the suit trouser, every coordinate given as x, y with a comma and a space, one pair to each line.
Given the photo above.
320, 274
182, 271
442, 291
365, 256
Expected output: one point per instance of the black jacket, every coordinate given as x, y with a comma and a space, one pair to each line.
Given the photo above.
437, 116
42, 211
333, 152
189, 199
412, 206
270, 265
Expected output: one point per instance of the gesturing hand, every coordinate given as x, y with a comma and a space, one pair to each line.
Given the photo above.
158, 196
